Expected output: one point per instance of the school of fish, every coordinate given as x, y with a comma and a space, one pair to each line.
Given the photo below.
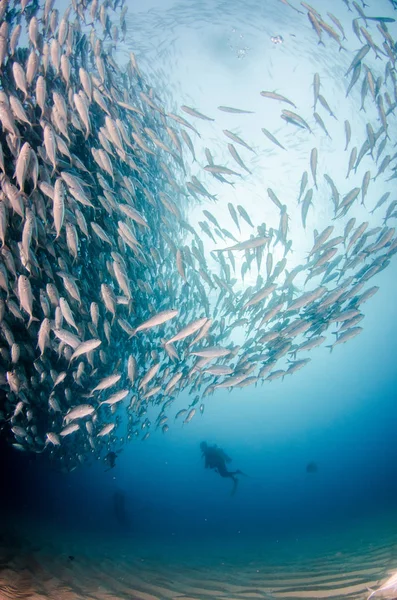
108, 305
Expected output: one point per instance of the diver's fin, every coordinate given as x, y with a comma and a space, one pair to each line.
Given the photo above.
234, 488
238, 472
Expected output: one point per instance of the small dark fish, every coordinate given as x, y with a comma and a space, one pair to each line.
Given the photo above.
195, 113
325, 104
275, 96
358, 58
292, 117
272, 138
321, 123
380, 19
311, 467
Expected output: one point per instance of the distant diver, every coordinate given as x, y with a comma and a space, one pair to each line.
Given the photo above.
215, 458
311, 467
110, 459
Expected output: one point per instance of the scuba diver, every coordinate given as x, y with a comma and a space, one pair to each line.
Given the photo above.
110, 459
216, 458
311, 467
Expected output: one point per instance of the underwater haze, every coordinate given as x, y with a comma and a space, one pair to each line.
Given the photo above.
198, 317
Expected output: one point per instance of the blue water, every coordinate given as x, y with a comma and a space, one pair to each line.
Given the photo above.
339, 412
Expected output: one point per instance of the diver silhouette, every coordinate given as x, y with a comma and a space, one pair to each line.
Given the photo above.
110, 459
215, 458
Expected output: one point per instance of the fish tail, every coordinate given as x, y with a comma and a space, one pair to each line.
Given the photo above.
31, 319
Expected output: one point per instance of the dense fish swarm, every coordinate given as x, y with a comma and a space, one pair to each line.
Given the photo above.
108, 304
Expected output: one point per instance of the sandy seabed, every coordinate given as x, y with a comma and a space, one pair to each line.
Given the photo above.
42, 562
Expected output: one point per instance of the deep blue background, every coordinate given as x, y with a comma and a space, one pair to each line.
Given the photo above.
340, 412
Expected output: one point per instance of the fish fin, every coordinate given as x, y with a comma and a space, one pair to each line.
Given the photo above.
372, 592
330, 347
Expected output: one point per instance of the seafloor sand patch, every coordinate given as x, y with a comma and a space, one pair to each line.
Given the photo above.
35, 567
